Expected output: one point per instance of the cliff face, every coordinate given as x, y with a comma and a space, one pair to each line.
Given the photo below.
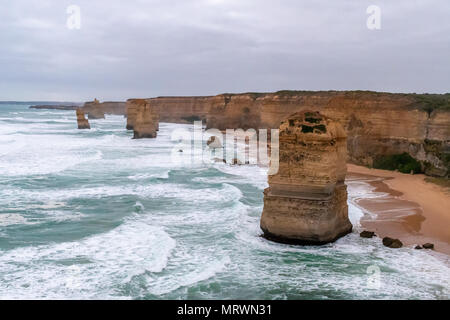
97, 110
306, 201
185, 109
377, 124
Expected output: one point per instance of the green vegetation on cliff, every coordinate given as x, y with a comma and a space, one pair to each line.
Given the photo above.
402, 162
430, 102
427, 102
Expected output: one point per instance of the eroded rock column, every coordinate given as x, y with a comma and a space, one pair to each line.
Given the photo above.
82, 122
306, 202
131, 112
146, 122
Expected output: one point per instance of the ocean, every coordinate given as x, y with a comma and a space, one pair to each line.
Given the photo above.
93, 214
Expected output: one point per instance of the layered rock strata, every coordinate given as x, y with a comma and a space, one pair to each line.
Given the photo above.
376, 123
131, 112
82, 122
94, 110
186, 109
146, 122
306, 202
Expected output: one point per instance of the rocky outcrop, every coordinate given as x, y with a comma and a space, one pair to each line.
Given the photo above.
428, 246
367, 234
306, 202
97, 110
82, 122
146, 122
392, 243
377, 124
131, 112
94, 110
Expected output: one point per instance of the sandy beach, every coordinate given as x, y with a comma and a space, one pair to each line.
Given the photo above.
407, 207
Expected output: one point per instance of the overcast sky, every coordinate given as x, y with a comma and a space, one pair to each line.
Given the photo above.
146, 48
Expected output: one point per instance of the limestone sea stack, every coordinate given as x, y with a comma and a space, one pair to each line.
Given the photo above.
146, 123
131, 112
82, 122
306, 202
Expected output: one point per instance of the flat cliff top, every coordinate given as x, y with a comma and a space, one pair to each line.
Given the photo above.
424, 101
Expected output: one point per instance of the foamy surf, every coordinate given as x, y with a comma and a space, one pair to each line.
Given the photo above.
90, 268
95, 214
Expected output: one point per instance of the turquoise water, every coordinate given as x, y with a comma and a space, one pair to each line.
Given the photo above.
94, 214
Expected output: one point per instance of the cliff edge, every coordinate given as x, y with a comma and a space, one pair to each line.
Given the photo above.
377, 124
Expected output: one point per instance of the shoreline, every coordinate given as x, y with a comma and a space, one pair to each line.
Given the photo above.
404, 206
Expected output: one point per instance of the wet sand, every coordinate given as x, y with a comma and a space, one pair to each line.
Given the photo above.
403, 206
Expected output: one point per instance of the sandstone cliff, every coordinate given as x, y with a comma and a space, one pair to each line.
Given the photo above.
377, 124
186, 109
97, 110
306, 201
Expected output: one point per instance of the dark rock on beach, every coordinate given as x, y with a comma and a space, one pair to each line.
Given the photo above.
392, 243
367, 234
428, 246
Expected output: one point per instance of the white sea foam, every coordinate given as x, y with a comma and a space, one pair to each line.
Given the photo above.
145, 176
192, 269
44, 155
258, 183
7, 219
224, 194
89, 268
173, 250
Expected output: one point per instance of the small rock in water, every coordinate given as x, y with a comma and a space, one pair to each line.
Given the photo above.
138, 207
236, 162
418, 247
428, 246
367, 234
392, 243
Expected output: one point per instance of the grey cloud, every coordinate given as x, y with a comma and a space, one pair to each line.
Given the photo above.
147, 48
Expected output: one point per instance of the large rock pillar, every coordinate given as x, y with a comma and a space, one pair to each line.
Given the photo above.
306, 202
146, 123
131, 112
82, 122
